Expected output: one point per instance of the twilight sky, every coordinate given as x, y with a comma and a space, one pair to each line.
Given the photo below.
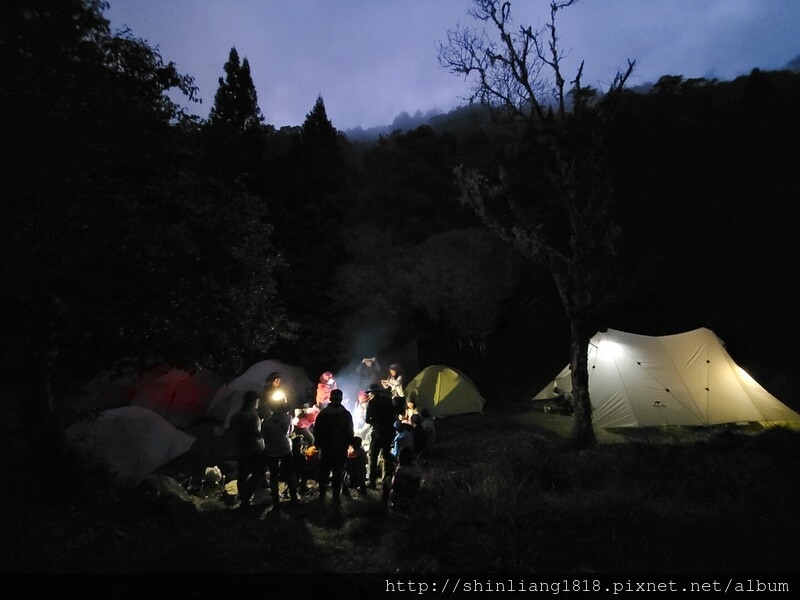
374, 59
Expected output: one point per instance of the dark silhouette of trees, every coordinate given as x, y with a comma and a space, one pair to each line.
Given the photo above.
410, 181
308, 186
131, 228
236, 101
235, 135
550, 197
703, 174
115, 241
406, 195
459, 278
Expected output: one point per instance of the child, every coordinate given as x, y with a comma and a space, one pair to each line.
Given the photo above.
411, 408
429, 425
355, 469
403, 438
304, 422
418, 435
300, 463
405, 483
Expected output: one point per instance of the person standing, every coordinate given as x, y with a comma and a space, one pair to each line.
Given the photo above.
272, 391
380, 416
327, 383
355, 468
360, 424
396, 386
276, 430
333, 431
369, 372
249, 445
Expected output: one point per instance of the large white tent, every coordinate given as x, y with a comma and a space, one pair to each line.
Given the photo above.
682, 379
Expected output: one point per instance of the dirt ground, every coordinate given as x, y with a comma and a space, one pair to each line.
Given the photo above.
358, 536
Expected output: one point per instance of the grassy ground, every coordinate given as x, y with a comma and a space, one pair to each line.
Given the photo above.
503, 495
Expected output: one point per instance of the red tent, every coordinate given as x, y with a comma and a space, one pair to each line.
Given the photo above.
179, 396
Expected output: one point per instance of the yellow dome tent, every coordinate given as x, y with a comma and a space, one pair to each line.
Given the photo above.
445, 391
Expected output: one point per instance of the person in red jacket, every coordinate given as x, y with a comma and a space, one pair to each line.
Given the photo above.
303, 422
326, 384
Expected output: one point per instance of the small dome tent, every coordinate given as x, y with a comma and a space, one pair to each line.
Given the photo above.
445, 391
131, 440
228, 399
686, 379
181, 397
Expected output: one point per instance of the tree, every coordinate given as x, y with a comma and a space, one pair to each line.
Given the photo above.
236, 101
441, 280
115, 242
550, 196
234, 134
85, 103
307, 186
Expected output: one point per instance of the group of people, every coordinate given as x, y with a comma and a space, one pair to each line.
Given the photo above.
391, 440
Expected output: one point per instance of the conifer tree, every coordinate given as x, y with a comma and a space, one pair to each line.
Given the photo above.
318, 128
322, 151
236, 101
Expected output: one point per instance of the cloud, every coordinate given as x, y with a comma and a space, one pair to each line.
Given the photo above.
372, 60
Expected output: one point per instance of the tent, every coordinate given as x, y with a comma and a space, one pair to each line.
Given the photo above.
228, 399
682, 379
445, 391
179, 396
116, 387
131, 440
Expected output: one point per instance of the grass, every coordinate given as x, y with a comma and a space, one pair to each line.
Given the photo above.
503, 495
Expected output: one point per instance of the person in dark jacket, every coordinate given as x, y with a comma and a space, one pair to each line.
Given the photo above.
380, 415
249, 447
333, 432
369, 372
276, 430
272, 391
355, 469
405, 483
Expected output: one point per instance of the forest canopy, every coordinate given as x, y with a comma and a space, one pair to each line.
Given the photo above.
133, 229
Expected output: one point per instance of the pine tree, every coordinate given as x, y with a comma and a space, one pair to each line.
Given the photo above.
236, 101
317, 128
322, 152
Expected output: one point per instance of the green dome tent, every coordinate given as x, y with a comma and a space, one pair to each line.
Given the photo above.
445, 391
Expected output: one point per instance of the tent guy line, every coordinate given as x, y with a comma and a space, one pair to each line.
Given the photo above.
683, 379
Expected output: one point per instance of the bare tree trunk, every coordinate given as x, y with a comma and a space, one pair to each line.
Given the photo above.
582, 429
561, 218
